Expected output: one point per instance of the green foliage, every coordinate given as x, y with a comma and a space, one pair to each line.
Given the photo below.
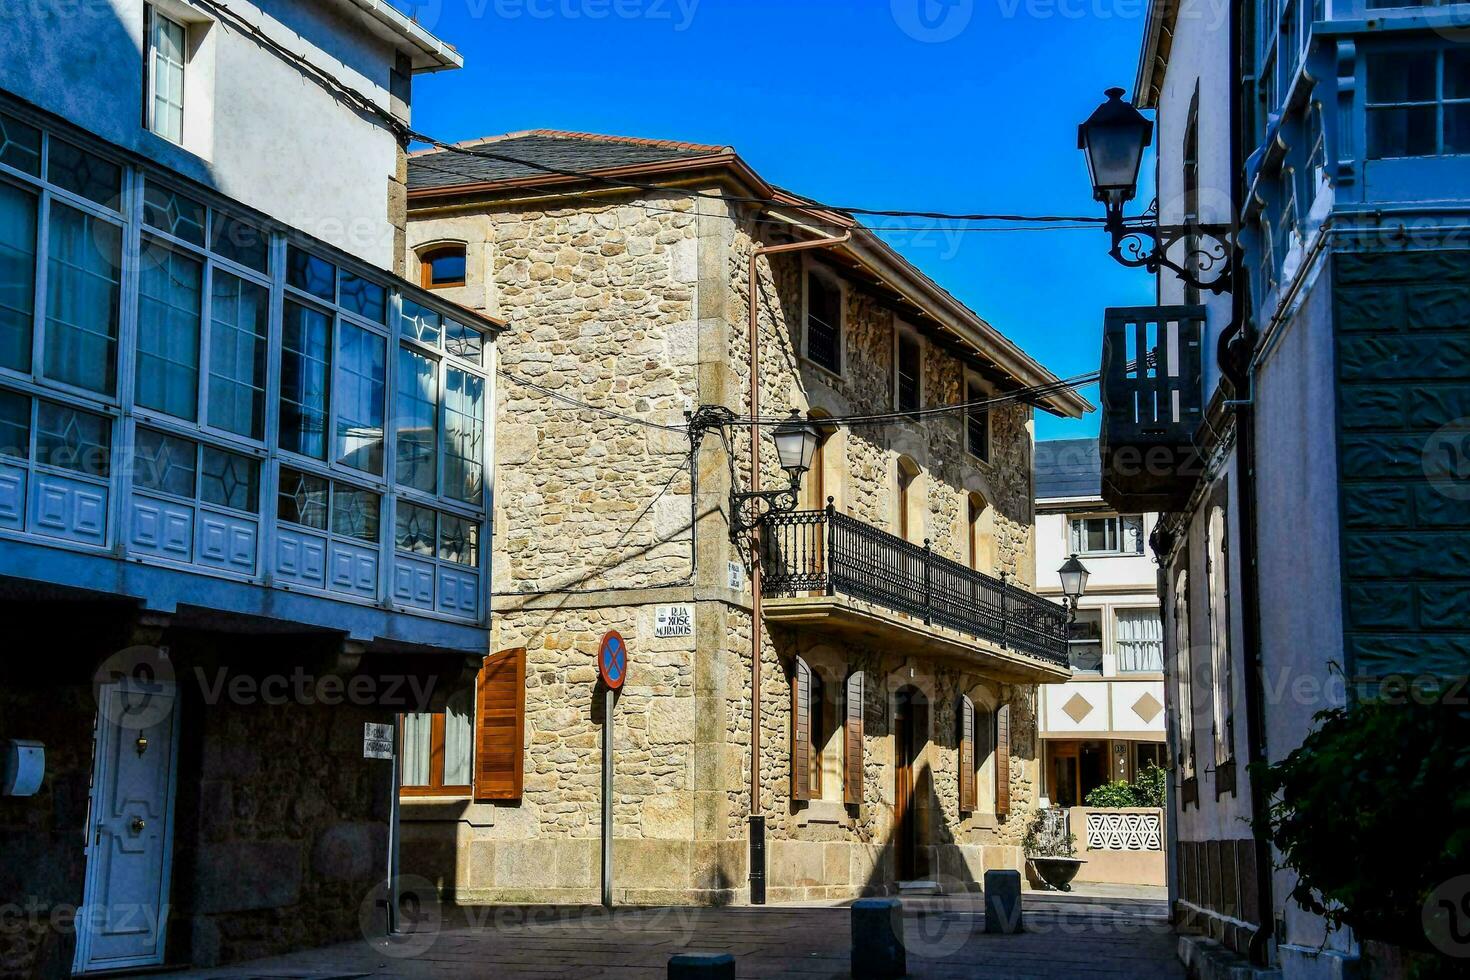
1047, 836
1372, 812
1109, 796
1146, 790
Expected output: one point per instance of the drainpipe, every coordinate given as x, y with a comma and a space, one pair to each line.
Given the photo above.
758, 819
1240, 370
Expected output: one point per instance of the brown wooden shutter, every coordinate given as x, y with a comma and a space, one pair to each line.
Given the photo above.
968, 791
801, 731
852, 740
500, 724
1003, 759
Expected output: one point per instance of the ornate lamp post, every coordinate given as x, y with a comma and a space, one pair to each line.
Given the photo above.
1113, 139
796, 443
1074, 583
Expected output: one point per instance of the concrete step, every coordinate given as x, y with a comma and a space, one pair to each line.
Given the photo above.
918, 888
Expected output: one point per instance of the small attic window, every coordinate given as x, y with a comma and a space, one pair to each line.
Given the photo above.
443, 265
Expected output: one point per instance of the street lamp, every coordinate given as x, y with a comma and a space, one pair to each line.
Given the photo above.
1113, 140
1074, 583
796, 443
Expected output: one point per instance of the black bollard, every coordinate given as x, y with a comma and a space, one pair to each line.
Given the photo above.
877, 939
702, 966
1003, 901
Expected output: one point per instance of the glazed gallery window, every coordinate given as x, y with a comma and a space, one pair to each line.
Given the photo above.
1139, 640
1418, 103
332, 366
173, 466
824, 321
437, 748
440, 416
83, 284
56, 436
185, 369
1106, 535
318, 503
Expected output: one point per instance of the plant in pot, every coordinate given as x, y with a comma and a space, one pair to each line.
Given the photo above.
1051, 850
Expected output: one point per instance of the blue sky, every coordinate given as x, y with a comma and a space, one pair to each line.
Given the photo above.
935, 105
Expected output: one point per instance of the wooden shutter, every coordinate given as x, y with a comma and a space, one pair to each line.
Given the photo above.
801, 731
968, 791
1003, 759
500, 724
852, 740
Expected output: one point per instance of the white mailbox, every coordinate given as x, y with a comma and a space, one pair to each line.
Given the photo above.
22, 767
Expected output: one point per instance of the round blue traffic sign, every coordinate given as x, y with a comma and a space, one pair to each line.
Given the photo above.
612, 660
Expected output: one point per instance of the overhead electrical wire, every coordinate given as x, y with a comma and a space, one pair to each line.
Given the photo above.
366, 104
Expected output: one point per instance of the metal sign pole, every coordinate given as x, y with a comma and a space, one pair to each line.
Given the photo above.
607, 790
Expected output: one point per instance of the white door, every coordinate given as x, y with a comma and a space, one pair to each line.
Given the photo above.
131, 835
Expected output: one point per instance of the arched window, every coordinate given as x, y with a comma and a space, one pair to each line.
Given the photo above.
908, 477
443, 266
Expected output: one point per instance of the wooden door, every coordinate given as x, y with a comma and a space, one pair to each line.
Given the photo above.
903, 797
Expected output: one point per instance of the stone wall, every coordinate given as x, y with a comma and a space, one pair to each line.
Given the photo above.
638, 306
281, 828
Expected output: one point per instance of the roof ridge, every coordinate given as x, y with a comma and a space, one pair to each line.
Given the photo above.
568, 134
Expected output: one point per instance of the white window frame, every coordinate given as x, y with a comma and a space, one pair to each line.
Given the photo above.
157, 22
1117, 519
810, 268
902, 330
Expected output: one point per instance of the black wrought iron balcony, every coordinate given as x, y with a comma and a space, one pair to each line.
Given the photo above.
826, 552
1151, 406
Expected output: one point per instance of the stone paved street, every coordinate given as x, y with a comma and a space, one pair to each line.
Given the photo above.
1066, 937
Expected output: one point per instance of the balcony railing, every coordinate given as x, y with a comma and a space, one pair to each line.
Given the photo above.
1151, 406
828, 552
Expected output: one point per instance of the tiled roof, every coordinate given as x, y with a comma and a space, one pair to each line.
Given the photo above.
538, 152
1068, 468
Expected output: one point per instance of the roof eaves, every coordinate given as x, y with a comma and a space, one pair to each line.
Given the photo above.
902, 276
429, 53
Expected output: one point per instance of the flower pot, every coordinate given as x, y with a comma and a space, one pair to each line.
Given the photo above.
1057, 872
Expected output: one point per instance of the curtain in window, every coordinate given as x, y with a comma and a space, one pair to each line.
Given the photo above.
17, 275
361, 383
464, 435
417, 743
237, 343
458, 736
83, 273
417, 420
1140, 640
168, 332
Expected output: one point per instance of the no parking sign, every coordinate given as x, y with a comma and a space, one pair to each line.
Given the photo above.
612, 660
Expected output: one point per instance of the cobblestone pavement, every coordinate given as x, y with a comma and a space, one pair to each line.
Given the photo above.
1066, 937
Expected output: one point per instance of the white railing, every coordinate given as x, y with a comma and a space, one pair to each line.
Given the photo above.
1124, 830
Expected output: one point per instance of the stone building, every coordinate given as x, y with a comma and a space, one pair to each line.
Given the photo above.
218, 558
898, 678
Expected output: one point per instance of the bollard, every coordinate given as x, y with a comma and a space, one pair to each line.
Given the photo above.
1003, 901
702, 966
877, 939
